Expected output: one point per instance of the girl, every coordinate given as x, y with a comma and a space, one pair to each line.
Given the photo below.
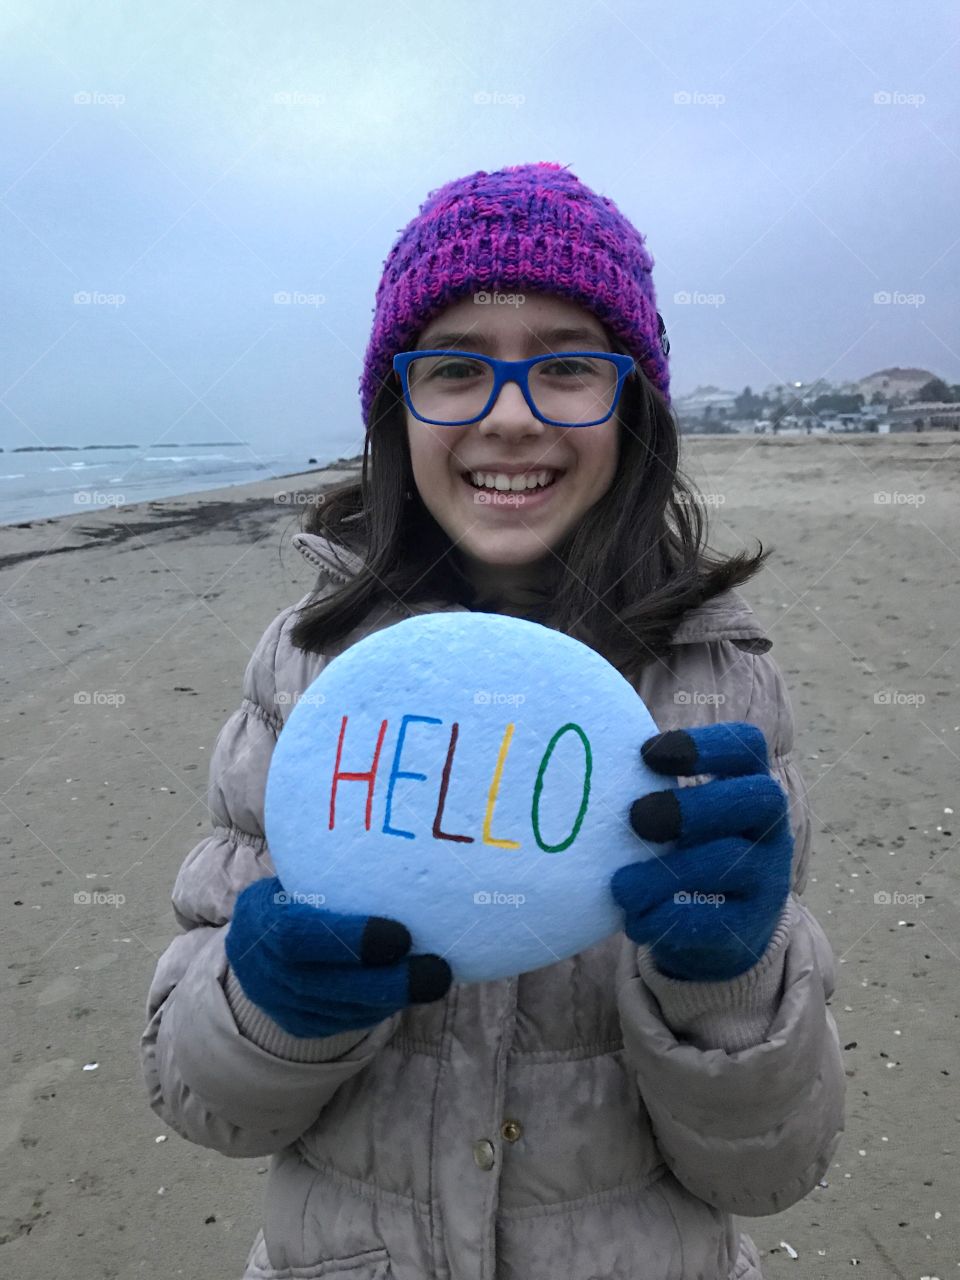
605, 1116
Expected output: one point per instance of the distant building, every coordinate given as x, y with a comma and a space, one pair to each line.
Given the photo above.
925, 415
787, 391
695, 405
894, 382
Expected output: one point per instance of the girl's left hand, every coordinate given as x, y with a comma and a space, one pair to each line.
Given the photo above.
708, 909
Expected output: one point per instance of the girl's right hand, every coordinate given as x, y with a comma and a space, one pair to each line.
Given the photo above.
317, 973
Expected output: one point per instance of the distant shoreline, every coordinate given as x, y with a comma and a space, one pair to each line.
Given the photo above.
179, 516
164, 444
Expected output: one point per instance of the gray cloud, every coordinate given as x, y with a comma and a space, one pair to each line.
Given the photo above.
198, 161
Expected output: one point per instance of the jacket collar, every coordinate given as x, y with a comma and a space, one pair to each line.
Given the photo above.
725, 617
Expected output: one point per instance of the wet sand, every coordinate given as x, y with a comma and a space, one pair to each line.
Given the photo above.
161, 604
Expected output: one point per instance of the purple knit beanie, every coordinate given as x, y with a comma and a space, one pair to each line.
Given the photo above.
529, 226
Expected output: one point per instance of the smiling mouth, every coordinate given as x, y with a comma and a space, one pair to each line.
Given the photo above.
528, 481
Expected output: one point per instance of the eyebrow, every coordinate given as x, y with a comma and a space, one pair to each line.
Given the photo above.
480, 342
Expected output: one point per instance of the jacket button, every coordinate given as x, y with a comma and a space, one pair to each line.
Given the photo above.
484, 1153
511, 1130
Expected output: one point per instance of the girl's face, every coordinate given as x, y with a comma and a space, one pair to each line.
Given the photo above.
507, 527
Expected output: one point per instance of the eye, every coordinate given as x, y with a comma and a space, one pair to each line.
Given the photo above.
454, 370
573, 367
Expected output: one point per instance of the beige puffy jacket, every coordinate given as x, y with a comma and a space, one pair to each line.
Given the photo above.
593, 1120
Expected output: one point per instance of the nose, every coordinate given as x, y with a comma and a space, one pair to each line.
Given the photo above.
510, 415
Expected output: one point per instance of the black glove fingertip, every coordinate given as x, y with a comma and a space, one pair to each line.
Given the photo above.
384, 941
671, 752
657, 816
430, 978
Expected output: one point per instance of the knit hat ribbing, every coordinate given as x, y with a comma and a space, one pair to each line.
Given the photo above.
530, 226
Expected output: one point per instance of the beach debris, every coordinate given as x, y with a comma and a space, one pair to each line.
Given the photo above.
791, 1252
91, 1066
161, 1191
161, 1137
823, 1183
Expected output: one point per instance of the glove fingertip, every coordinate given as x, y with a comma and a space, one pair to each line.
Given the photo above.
384, 941
657, 816
674, 752
430, 978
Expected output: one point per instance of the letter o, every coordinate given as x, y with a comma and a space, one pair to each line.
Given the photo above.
538, 788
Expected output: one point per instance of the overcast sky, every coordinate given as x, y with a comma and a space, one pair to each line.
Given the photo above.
195, 159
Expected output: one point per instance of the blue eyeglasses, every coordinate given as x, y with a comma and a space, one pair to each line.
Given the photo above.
563, 389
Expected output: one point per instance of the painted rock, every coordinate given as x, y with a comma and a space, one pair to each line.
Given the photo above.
471, 775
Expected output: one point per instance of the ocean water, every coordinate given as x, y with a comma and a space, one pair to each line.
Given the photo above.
76, 482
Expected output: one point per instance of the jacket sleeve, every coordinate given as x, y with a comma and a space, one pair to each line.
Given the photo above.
743, 1080
217, 1069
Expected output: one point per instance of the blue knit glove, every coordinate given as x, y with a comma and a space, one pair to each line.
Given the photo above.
316, 973
708, 909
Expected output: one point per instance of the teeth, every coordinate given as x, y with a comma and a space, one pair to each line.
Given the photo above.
516, 484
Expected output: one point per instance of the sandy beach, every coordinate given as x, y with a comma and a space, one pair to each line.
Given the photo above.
125, 636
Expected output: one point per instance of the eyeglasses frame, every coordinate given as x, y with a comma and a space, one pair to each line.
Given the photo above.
517, 371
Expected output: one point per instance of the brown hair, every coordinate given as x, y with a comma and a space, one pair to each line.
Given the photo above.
622, 579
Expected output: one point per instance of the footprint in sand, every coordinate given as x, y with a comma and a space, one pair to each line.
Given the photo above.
69, 984
16, 1100
59, 989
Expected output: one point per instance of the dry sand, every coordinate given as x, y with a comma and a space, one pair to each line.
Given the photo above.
162, 603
